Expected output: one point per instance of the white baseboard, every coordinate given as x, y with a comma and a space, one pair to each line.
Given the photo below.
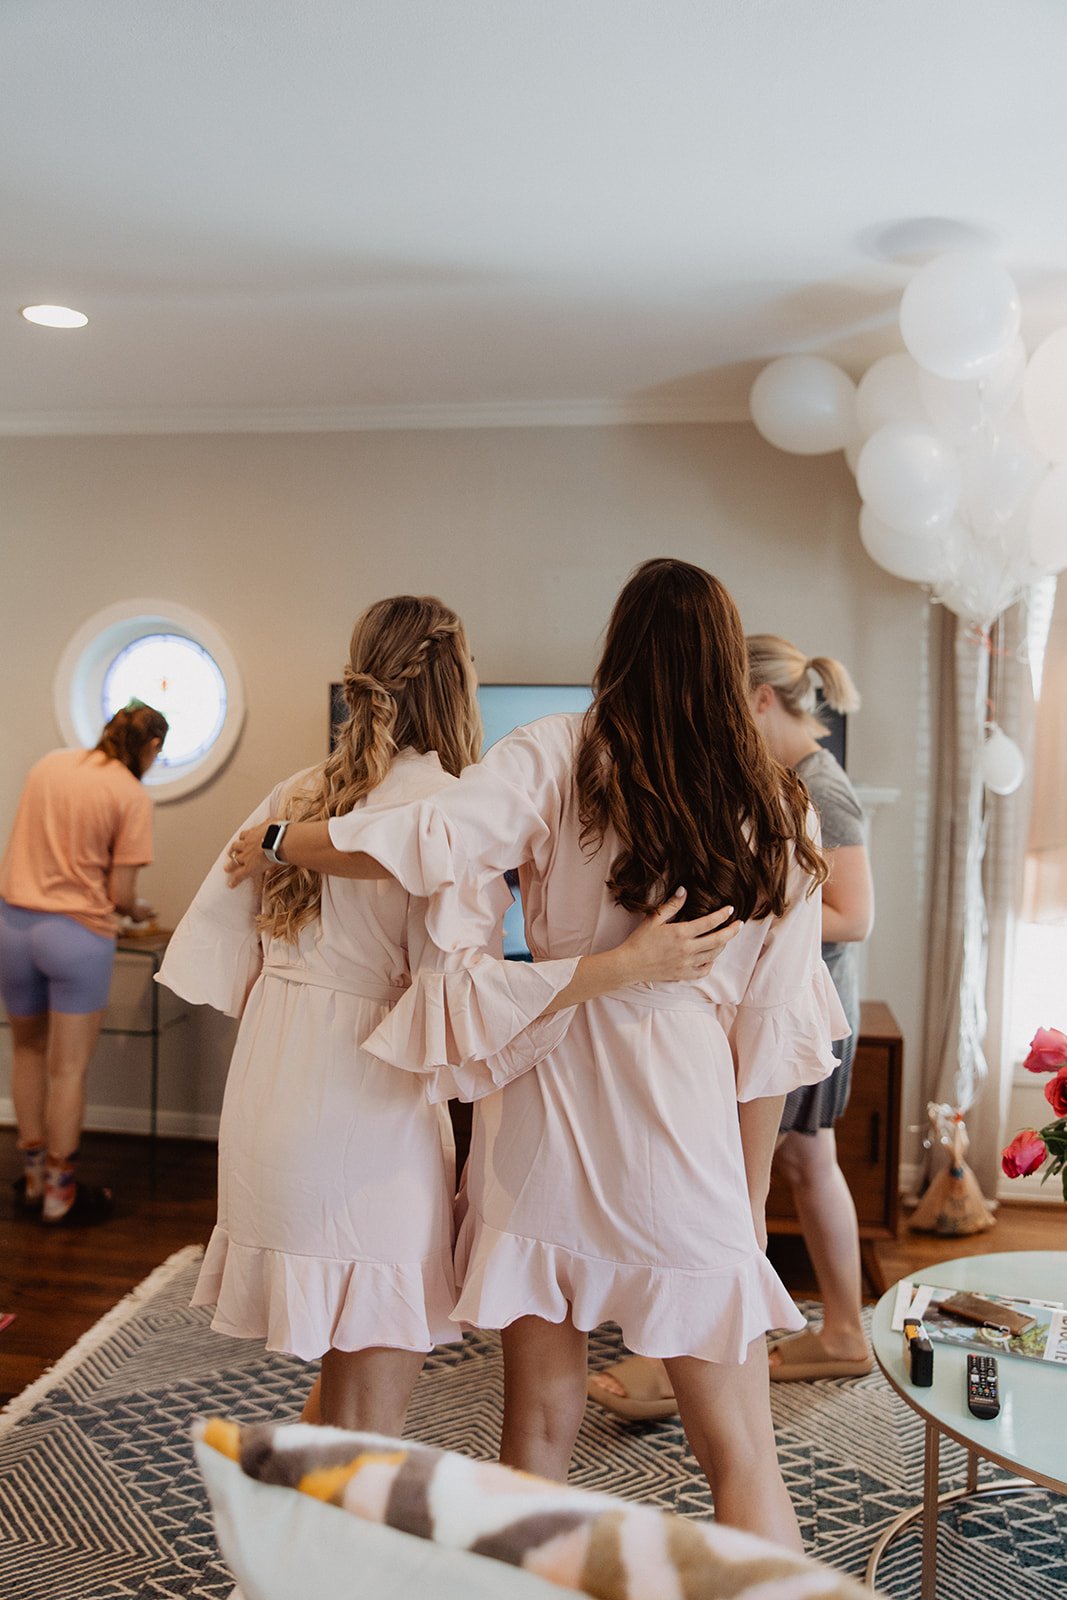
135, 1119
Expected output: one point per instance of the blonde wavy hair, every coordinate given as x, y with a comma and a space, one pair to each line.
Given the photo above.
773, 660
408, 685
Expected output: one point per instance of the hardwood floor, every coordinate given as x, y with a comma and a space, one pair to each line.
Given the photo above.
59, 1282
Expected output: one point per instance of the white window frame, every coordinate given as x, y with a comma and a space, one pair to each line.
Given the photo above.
78, 684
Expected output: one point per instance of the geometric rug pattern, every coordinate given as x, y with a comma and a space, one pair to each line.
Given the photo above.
100, 1498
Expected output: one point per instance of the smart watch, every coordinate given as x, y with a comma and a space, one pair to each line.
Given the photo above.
272, 842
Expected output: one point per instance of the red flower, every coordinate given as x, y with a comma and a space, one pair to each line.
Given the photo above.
1056, 1093
1048, 1051
1024, 1155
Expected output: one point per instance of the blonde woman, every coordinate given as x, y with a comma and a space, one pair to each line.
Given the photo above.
335, 1225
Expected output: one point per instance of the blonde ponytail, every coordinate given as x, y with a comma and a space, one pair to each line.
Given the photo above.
407, 685
773, 660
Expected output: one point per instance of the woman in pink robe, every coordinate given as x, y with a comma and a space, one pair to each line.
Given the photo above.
618, 1181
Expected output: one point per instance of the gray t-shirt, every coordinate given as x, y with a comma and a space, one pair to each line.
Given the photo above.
840, 815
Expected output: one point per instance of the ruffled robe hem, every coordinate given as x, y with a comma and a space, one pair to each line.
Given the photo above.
305, 1305
662, 1311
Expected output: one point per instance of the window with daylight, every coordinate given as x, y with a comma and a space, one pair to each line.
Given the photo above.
170, 658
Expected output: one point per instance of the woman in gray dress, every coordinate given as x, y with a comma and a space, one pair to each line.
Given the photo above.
783, 700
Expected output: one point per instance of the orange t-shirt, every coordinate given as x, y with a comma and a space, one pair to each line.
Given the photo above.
79, 815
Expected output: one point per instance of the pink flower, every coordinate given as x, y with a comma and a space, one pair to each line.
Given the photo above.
1048, 1051
1056, 1092
1024, 1155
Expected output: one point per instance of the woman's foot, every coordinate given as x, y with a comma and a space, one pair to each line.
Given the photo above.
636, 1387
811, 1355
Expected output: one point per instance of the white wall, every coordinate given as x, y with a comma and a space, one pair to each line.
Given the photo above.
281, 540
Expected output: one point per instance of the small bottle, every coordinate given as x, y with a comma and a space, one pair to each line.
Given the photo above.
918, 1354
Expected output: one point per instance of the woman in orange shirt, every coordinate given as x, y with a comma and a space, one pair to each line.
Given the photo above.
82, 830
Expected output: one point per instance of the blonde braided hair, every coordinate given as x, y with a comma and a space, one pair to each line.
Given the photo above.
407, 685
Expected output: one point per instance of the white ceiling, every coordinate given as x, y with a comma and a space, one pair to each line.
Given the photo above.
344, 213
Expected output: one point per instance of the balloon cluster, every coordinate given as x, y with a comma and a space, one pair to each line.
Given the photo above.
958, 444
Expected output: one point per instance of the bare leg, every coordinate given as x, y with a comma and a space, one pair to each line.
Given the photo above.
828, 1219
544, 1394
726, 1413
70, 1044
759, 1121
367, 1390
312, 1411
29, 1075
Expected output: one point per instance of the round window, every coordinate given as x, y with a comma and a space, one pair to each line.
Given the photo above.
170, 658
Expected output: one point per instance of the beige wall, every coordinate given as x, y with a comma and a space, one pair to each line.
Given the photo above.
281, 540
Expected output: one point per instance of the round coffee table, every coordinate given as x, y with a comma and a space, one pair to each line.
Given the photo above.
1028, 1435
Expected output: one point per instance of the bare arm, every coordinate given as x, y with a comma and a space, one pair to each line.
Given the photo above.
847, 896
121, 889
759, 1139
306, 844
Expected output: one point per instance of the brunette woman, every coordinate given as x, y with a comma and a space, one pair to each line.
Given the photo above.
82, 832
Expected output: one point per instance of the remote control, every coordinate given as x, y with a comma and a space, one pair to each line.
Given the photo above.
983, 1392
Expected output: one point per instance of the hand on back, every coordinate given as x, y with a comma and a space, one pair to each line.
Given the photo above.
661, 950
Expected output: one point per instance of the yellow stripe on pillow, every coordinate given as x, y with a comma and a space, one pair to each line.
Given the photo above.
328, 1483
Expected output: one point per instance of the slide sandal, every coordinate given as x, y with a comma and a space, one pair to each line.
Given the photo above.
648, 1396
802, 1357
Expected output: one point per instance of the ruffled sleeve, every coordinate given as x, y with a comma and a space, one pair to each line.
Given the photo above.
471, 1028
471, 1021
451, 848
782, 1028
215, 954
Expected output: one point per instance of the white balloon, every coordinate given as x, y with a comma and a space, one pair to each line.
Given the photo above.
909, 477
1001, 473
915, 557
852, 454
960, 314
1045, 395
804, 404
1001, 763
1047, 528
1002, 387
953, 406
889, 392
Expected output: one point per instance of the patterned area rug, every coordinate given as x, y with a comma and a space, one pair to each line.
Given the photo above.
100, 1499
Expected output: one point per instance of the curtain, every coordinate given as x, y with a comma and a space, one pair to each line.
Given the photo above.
1045, 897
975, 878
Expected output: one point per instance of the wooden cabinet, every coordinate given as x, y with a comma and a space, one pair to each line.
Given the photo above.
868, 1135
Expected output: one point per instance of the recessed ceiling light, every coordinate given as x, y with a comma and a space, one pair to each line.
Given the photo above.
55, 316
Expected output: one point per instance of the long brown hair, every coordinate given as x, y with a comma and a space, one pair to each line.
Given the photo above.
671, 759
129, 730
407, 685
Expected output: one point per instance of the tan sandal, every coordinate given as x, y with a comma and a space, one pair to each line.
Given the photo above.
802, 1357
645, 1399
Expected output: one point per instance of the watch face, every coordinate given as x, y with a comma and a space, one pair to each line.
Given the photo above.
270, 838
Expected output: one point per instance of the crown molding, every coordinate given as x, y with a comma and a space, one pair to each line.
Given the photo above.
369, 419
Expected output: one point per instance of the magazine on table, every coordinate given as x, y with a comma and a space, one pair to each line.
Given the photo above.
996, 1323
